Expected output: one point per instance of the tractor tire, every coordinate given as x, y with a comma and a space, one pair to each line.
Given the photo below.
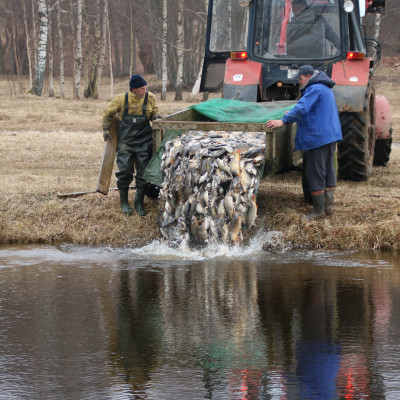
356, 150
383, 148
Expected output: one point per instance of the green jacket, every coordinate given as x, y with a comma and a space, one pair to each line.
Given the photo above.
116, 106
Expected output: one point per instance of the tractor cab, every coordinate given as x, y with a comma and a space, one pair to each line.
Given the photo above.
255, 47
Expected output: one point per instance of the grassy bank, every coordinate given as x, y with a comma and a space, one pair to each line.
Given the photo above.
51, 146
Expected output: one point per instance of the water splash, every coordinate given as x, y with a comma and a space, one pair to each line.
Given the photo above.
254, 249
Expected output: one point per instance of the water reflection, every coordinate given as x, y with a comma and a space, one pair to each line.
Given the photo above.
83, 324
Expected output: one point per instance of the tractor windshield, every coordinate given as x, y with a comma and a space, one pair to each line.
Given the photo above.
228, 27
296, 29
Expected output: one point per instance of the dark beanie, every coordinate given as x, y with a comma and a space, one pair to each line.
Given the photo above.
137, 81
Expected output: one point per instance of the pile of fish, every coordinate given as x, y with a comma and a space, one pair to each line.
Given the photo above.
210, 186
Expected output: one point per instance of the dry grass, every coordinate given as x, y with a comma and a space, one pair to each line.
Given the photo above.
51, 146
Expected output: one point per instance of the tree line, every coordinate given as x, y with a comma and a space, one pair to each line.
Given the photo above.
85, 39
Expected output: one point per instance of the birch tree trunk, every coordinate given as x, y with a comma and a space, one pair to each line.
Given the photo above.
102, 48
164, 52
41, 57
34, 32
86, 53
78, 50
28, 45
61, 51
51, 53
180, 42
196, 86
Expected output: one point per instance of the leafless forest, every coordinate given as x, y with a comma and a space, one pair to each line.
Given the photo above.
88, 39
48, 40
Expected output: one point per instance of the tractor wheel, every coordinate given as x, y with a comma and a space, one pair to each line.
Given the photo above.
356, 150
383, 148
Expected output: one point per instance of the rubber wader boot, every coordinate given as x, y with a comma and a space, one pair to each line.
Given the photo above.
138, 204
123, 201
329, 194
318, 206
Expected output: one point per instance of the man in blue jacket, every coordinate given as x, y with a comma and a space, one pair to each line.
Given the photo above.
318, 130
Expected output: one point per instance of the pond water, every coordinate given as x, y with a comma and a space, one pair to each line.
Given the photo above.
160, 323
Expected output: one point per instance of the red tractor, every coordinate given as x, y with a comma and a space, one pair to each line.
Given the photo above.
255, 47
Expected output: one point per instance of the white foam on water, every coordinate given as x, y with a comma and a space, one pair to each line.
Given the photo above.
161, 250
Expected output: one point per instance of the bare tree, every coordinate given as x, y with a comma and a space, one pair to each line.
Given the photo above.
61, 49
180, 50
40, 70
132, 66
196, 86
17, 58
103, 47
90, 90
28, 44
34, 32
51, 53
78, 49
110, 55
164, 52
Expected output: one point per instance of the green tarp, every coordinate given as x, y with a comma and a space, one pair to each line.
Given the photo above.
152, 173
224, 110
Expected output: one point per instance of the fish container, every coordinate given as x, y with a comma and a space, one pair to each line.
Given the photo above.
279, 143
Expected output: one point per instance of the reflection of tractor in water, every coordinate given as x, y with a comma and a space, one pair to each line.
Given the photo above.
255, 47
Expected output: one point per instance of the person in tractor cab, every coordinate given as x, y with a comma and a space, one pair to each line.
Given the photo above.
318, 130
135, 109
307, 31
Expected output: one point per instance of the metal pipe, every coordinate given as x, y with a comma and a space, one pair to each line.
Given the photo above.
357, 32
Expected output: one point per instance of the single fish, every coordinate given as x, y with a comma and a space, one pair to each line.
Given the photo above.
245, 179
221, 210
223, 166
235, 163
228, 204
234, 228
258, 159
224, 232
199, 208
251, 213
194, 227
203, 178
202, 232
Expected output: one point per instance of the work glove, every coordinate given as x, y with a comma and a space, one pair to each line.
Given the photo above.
160, 116
107, 134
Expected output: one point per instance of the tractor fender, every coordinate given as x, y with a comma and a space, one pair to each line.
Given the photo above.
351, 79
242, 81
383, 118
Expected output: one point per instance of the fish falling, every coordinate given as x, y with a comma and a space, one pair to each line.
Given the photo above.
210, 185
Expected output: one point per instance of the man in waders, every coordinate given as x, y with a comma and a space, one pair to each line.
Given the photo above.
135, 138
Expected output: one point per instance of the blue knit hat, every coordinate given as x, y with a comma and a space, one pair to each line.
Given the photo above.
137, 81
